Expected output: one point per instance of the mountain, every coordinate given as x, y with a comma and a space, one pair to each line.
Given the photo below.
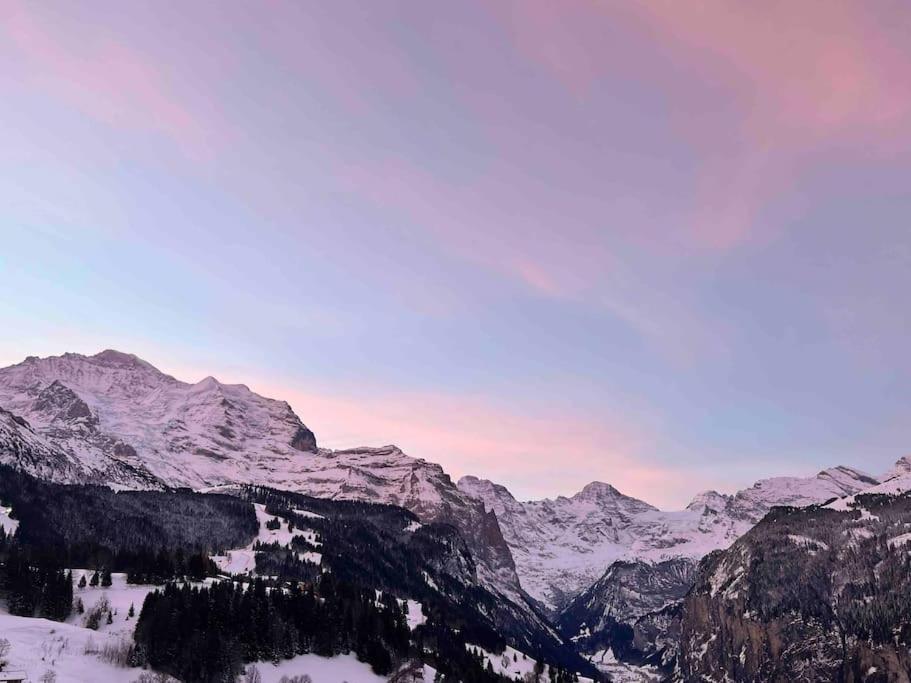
114, 408
604, 614
816, 593
564, 545
114, 418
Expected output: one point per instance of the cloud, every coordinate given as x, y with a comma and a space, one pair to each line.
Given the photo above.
552, 249
756, 88
101, 76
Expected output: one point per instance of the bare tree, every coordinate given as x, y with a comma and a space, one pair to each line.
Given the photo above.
4, 651
48, 676
252, 675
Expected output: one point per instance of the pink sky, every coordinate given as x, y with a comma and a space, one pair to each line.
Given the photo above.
658, 244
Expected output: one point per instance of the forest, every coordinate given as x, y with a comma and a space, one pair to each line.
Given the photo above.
208, 631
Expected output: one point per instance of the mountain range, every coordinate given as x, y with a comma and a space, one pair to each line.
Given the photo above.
565, 569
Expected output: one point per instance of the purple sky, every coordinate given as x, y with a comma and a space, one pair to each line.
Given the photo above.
665, 245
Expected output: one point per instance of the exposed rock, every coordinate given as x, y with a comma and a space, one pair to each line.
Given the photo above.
809, 594
304, 440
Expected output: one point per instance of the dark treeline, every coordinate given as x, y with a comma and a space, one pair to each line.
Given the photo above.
43, 590
206, 634
151, 535
366, 544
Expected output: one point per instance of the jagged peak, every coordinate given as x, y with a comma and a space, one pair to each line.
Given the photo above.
207, 384
840, 472
476, 486
901, 467
597, 489
708, 499
115, 358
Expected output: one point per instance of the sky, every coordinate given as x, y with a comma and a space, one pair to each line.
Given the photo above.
663, 245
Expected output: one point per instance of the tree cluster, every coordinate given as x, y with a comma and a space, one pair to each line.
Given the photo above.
207, 633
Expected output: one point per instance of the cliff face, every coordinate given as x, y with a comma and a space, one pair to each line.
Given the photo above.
813, 594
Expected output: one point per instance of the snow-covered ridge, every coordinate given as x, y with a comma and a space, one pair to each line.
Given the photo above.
114, 409
564, 545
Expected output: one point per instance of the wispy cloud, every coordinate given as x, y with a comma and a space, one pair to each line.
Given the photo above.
791, 77
102, 77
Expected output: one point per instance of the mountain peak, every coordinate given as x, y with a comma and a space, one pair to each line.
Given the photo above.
597, 490
708, 500
901, 467
112, 358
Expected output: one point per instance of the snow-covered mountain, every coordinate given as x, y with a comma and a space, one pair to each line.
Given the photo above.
115, 418
115, 408
563, 546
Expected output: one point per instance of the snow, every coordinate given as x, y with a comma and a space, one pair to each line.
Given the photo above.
413, 526
320, 669
307, 513
511, 663
71, 650
415, 614
281, 535
430, 582
900, 540
239, 561
39, 645
243, 560
6, 523
807, 542
119, 595
563, 545
622, 672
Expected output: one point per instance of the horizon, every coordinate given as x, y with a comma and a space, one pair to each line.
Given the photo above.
455, 477
541, 245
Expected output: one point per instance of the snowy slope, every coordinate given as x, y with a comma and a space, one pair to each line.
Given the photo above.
562, 546
39, 645
115, 408
74, 654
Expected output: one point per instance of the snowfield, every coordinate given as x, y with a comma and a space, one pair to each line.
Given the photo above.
320, 669
39, 645
7, 524
243, 560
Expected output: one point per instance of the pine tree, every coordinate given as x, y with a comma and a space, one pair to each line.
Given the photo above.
93, 582
82, 582
106, 577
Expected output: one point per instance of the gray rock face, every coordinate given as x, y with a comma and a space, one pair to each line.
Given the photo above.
808, 594
303, 440
22, 447
632, 612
